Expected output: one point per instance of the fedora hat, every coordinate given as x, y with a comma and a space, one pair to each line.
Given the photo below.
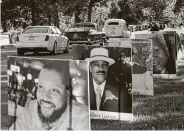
97, 54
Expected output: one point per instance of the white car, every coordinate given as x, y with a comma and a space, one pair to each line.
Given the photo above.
4, 39
40, 39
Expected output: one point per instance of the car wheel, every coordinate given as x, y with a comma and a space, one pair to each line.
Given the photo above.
54, 51
67, 48
20, 52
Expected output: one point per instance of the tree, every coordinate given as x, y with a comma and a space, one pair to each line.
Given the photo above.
155, 7
114, 10
17, 9
179, 4
125, 9
90, 6
32, 5
129, 12
49, 10
75, 7
8, 12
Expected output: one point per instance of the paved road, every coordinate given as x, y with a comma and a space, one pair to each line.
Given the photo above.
4, 94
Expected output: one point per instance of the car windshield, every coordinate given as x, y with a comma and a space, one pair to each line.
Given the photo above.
36, 30
113, 23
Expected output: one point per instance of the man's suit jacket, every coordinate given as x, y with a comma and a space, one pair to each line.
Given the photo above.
112, 105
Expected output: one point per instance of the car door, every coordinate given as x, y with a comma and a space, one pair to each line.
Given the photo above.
51, 40
62, 38
57, 38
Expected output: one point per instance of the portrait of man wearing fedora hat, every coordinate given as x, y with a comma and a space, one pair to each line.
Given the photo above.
104, 86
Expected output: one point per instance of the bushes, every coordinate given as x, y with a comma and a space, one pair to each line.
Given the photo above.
143, 55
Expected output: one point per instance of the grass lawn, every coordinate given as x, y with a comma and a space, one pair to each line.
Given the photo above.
164, 110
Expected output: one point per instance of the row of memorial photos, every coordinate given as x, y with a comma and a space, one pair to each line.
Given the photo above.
127, 71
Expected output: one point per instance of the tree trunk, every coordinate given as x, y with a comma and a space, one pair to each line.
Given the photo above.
49, 18
90, 11
77, 19
33, 10
4, 26
56, 17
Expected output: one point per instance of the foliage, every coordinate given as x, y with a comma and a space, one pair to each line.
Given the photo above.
180, 71
138, 11
143, 52
155, 7
52, 12
178, 6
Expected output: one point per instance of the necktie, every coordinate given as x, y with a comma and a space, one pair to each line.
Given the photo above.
98, 97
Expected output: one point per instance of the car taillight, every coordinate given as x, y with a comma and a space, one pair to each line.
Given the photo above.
46, 38
17, 38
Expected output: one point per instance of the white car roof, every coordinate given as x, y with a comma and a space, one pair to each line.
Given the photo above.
113, 20
121, 21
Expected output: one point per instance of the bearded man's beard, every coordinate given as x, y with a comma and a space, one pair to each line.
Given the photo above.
54, 116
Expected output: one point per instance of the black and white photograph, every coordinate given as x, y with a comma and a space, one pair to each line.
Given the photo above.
133, 49
164, 53
109, 81
165, 47
142, 68
47, 94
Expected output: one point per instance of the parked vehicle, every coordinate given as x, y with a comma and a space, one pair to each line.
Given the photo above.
40, 39
116, 28
83, 33
9, 37
116, 33
4, 39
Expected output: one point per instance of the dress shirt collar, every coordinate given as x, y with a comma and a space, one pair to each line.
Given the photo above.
102, 86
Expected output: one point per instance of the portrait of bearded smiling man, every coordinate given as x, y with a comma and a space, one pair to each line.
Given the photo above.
50, 111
